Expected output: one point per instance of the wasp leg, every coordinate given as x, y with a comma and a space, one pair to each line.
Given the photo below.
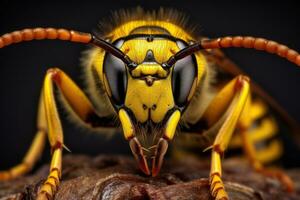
34, 151
249, 148
266, 130
257, 132
271, 152
79, 103
257, 165
226, 108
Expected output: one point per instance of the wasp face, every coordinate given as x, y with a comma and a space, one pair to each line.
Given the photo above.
149, 93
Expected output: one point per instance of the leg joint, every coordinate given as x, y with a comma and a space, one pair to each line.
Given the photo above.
217, 148
240, 81
57, 145
55, 75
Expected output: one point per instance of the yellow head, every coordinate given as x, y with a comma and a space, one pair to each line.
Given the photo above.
149, 90
149, 96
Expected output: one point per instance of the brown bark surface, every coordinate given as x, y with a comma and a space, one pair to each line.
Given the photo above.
117, 177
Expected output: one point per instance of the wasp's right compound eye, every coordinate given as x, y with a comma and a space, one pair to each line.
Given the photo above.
115, 73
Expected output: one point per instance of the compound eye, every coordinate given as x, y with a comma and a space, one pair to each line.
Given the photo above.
184, 74
115, 73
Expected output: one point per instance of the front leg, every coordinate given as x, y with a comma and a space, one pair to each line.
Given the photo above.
231, 101
80, 104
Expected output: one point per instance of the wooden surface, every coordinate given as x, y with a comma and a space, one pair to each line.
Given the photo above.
117, 177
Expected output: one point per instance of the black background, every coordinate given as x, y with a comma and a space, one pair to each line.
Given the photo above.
23, 66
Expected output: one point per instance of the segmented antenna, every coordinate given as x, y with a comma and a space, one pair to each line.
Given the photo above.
80, 37
63, 34
42, 34
238, 41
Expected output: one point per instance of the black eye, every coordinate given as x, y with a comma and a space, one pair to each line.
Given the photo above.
115, 72
184, 74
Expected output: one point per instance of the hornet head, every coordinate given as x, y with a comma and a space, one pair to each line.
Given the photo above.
148, 95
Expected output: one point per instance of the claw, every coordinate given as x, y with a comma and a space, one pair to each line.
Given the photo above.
138, 153
158, 158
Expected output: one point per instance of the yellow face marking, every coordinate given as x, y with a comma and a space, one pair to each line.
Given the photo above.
149, 69
127, 126
172, 124
149, 102
138, 49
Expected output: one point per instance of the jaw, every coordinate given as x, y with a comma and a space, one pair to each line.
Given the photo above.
154, 159
149, 141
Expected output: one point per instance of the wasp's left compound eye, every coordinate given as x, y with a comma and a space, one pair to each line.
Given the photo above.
184, 74
115, 72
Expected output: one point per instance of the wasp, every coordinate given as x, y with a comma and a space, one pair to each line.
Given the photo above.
152, 77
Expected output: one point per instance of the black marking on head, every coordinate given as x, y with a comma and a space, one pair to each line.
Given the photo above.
149, 80
143, 36
154, 107
144, 107
150, 38
149, 57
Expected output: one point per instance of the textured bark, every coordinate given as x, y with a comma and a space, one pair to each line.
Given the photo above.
117, 177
